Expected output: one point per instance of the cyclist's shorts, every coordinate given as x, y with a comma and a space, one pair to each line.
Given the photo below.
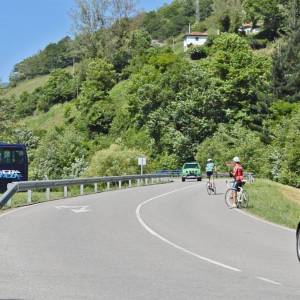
209, 174
236, 185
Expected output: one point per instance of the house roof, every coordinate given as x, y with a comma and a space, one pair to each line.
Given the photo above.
196, 34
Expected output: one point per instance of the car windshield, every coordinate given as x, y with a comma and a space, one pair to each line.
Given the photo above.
191, 166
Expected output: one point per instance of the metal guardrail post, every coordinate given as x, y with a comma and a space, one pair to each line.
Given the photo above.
9, 203
129, 183
48, 194
65, 191
81, 190
29, 196
146, 181
96, 187
120, 184
108, 185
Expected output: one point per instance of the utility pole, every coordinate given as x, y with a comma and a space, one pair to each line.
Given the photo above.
197, 11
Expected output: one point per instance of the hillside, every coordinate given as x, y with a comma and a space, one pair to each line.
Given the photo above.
29, 85
127, 97
26, 86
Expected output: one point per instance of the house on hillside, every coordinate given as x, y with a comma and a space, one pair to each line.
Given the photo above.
247, 28
194, 39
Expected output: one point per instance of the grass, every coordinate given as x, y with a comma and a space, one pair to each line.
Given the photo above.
30, 85
275, 202
26, 86
45, 121
118, 95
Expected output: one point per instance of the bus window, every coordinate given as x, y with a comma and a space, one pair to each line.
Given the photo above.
7, 157
18, 157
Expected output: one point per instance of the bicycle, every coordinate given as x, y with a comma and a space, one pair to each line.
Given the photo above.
211, 188
242, 197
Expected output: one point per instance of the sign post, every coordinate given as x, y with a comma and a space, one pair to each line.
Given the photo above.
142, 162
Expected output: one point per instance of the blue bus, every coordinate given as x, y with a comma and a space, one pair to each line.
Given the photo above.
13, 164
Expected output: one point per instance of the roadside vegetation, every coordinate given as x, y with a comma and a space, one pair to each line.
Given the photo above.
275, 202
134, 91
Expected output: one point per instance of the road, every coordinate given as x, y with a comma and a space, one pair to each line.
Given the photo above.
169, 241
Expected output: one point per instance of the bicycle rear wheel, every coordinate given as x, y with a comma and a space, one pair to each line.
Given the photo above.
208, 188
245, 200
229, 198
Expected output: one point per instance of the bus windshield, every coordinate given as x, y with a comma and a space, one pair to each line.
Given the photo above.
11, 156
13, 164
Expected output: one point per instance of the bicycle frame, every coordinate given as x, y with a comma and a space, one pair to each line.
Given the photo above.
240, 194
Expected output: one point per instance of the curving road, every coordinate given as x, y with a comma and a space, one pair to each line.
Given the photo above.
169, 241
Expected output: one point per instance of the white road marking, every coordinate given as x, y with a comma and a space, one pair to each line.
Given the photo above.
76, 209
268, 280
154, 233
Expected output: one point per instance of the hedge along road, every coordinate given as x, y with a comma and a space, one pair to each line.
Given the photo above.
169, 241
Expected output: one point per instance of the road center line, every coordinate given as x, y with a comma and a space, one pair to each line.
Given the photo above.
268, 280
165, 240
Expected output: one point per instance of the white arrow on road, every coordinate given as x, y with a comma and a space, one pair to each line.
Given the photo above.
75, 209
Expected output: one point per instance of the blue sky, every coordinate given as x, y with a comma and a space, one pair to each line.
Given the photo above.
27, 26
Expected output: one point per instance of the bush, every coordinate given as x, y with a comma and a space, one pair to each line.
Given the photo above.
257, 44
114, 161
61, 154
198, 52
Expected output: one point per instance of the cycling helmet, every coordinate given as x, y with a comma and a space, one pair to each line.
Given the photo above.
209, 160
236, 159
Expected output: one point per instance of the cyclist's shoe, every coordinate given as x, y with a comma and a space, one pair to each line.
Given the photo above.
234, 205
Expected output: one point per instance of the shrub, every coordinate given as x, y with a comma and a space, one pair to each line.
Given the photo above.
198, 52
114, 161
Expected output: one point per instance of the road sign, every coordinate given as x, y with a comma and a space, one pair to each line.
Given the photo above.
142, 161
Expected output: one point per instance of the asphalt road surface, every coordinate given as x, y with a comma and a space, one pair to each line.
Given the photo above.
169, 241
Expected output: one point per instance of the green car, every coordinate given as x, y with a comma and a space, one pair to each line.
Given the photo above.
191, 170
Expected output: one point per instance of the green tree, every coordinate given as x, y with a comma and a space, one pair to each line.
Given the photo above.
59, 88
286, 66
227, 15
271, 12
94, 101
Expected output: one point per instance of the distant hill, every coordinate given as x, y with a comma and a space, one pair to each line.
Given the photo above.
4, 84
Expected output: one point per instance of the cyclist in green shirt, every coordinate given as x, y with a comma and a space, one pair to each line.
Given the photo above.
210, 168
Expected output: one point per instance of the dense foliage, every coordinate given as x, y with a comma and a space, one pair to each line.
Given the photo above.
55, 55
127, 98
170, 20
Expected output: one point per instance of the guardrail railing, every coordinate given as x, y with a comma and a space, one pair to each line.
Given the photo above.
47, 185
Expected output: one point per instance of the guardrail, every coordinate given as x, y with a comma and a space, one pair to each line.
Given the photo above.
47, 185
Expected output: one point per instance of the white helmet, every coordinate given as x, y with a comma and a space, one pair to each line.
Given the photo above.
209, 160
236, 159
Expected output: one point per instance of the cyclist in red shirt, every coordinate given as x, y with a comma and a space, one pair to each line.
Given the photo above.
238, 175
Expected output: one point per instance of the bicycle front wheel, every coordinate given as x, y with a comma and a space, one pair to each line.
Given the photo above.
214, 188
245, 200
208, 188
229, 198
